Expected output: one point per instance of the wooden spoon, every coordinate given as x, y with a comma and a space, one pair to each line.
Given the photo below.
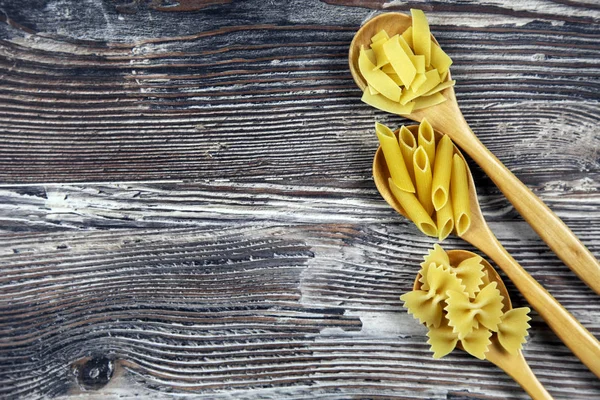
581, 342
447, 118
514, 365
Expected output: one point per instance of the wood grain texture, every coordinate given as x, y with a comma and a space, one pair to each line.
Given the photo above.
187, 208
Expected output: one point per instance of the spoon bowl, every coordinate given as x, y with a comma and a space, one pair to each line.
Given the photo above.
581, 342
446, 117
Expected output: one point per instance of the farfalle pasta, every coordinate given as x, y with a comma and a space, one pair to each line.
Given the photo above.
428, 179
461, 304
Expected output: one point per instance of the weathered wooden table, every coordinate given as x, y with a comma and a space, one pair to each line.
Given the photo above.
187, 207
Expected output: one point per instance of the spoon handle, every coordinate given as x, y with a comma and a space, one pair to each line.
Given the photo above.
516, 366
545, 222
577, 338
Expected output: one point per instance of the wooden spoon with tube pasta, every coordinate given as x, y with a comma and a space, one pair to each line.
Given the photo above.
514, 365
581, 342
447, 118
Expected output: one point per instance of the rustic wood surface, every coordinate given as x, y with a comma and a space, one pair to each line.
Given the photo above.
187, 208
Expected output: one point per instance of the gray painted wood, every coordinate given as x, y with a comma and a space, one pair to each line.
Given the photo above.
187, 208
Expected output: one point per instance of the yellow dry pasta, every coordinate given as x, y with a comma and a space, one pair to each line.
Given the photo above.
445, 220
423, 174
442, 339
441, 173
383, 103
513, 329
464, 314
442, 282
432, 78
393, 158
414, 210
400, 60
459, 195
408, 145
477, 342
426, 138
427, 306
377, 78
428, 101
382, 34
415, 64
421, 35
436, 256
470, 272
439, 59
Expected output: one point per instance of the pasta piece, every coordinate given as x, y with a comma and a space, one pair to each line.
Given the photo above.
441, 173
371, 56
445, 220
372, 90
437, 256
432, 80
388, 69
414, 210
421, 35
393, 158
385, 104
407, 143
459, 195
380, 55
428, 101
400, 60
382, 34
464, 314
407, 35
419, 62
377, 78
439, 59
470, 272
477, 342
427, 306
440, 87
422, 171
420, 79
443, 76
442, 339
513, 329
426, 138
395, 78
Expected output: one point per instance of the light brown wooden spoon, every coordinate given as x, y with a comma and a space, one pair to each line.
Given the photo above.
447, 118
581, 342
514, 365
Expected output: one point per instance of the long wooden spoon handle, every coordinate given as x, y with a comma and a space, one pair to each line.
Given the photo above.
516, 366
545, 222
581, 342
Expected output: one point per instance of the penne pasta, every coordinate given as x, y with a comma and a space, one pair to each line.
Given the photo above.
414, 210
426, 139
459, 195
422, 171
445, 220
421, 36
393, 158
408, 145
441, 173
